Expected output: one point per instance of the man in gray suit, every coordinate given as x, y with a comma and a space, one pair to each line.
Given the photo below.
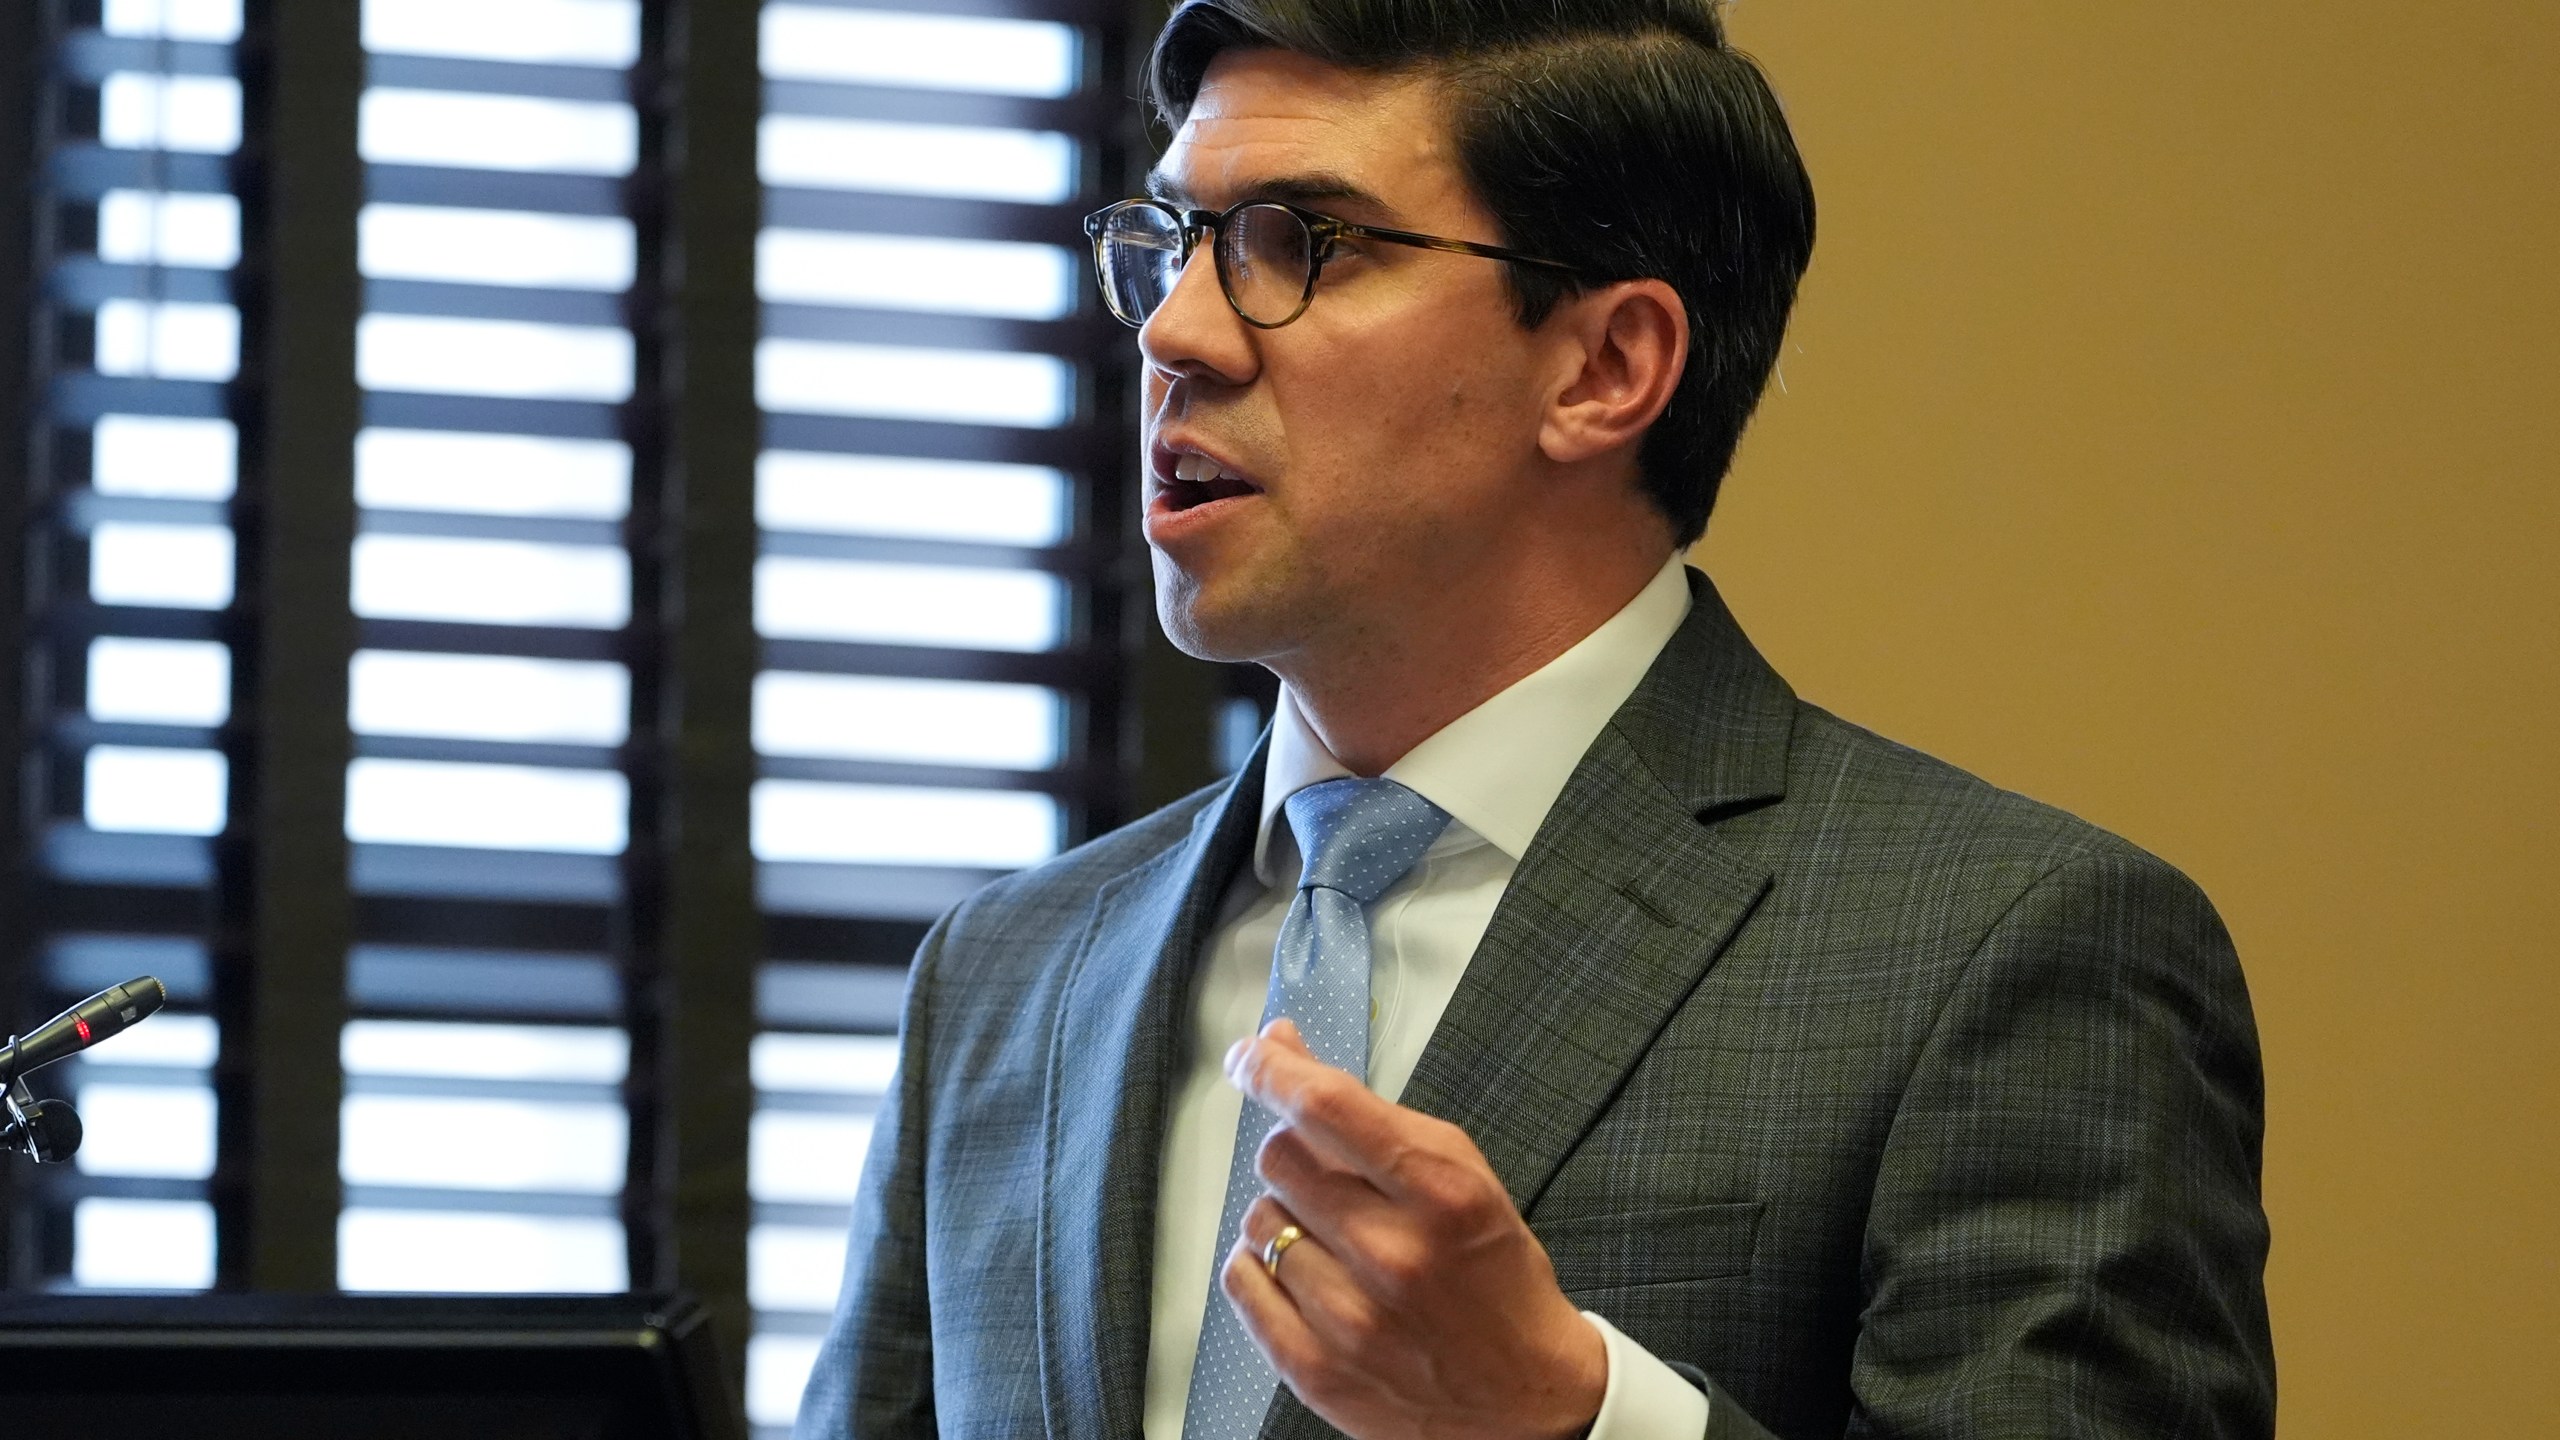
1558, 1028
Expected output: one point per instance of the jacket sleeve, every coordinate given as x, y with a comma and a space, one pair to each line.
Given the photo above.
874, 1374
2065, 1237
1726, 1420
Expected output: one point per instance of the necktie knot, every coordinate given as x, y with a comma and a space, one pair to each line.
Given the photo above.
1361, 836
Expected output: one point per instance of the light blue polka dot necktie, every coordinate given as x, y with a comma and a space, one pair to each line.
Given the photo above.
1359, 837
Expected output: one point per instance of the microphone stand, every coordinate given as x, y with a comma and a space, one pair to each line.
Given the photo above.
45, 1131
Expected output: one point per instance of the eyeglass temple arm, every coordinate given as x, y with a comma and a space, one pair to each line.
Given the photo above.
1454, 247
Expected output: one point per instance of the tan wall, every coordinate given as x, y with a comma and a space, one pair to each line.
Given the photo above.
2169, 433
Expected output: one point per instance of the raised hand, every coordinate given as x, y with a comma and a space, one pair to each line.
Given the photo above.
1412, 1299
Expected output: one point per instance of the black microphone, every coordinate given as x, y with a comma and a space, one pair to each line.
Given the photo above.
106, 1013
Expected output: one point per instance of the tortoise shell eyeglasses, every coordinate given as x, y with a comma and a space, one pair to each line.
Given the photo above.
1268, 253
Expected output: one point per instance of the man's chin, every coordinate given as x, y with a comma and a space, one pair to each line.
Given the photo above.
1201, 636
1211, 622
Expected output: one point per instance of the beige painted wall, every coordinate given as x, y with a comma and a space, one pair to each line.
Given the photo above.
2169, 432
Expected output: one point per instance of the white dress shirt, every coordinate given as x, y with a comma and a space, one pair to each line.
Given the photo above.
1497, 770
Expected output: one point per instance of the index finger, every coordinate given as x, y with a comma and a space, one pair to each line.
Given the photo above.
1340, 1118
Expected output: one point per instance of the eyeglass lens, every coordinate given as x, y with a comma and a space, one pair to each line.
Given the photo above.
1264, 256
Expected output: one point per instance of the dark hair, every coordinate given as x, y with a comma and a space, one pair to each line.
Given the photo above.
1624, 136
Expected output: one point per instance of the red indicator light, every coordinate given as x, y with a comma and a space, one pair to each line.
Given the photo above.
82, 1026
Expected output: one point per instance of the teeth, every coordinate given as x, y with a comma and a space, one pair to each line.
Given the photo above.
1197, 469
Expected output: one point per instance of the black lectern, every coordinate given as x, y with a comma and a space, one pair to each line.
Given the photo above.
317, 1367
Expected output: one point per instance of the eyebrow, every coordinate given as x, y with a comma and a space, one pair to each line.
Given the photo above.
1313, 189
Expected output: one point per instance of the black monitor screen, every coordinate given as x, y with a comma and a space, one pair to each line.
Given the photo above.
214, 1367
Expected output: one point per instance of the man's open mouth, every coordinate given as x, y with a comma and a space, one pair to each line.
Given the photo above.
1197, 480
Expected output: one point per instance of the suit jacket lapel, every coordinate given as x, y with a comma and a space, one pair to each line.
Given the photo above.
1605, 930
1112, 1053
1619, 907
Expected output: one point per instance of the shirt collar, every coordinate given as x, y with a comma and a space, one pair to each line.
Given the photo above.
1498, 768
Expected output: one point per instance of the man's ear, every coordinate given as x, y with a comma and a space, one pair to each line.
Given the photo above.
1623, 347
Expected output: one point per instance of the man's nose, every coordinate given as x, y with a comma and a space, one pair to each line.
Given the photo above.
1195, 334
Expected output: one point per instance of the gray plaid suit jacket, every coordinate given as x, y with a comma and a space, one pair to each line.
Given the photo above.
1886, 1102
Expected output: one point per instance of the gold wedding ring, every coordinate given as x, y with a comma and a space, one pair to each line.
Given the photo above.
1278, 1245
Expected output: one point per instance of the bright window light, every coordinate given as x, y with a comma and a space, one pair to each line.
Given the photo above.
168, 339
186, 1042
544, 32
899, 825
141, 1244
931, 722
929, 52
905, 382
494, 247
586, 1054
186, 567
491, 582
795, 1267
500, 807
441, 355
160, 1132
217, 21
492, 474
151, 227
196, 114
896, 272
435, 1251
1036, 167
154, 791
778, 1369
489, 697
835, 1064
569, 1147
804, 1157
858, 600
923, 499
496, 132
163, 457
159, 682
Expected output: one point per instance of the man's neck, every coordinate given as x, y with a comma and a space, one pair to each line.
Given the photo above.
1373, 702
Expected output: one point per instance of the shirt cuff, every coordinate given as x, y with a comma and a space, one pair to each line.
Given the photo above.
1645, 1399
